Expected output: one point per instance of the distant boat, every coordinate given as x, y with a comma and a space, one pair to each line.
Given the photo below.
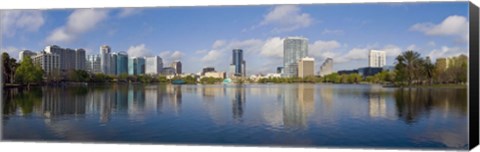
178, 82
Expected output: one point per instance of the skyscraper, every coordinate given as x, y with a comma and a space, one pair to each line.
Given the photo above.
136, 66
177, 65
26, 53
113, 63
326, 68
93, 64
67, 56
237, 61
377, 58
154, 65
105, 58
294, 49
80, 59
48, 61
122, 63
306, 67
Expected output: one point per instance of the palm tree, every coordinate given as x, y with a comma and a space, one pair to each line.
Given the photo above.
409, 65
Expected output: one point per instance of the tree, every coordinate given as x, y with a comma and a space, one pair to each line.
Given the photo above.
428, 69
9, 67
408, 66
29, 73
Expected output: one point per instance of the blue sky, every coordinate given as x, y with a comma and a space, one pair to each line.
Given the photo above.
205, 36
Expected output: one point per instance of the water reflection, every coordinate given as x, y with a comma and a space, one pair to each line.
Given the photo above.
298, 104
251, 113
238, 101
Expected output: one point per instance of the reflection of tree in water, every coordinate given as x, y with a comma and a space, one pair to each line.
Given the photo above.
414, 102
24, 100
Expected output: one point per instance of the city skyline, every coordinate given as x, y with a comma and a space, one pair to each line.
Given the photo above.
259, 31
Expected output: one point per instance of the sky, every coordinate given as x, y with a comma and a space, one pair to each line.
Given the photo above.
205, 36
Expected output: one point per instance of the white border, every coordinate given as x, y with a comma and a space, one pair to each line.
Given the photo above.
55, 4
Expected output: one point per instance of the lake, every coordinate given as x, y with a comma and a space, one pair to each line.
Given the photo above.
305, 115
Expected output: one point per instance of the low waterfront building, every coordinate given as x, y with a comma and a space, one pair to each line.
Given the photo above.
306, 67
215, 74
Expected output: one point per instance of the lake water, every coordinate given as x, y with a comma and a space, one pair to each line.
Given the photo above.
312, 115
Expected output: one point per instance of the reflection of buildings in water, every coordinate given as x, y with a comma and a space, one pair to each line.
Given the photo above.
377, 106
326, 95
298, 105
136, 100
174, 94
210, 92
238, 101
152, 98
59, 101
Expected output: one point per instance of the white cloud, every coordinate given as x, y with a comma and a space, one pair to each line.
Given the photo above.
212, 55
447, 52
323, 49
393, 50
170, 56
273, 47
126, 12
431, 43
412, 47
454, 25
138, 51
14, 20
334, 32
12, 52
362, 53
218, 43
286, 18
79, 22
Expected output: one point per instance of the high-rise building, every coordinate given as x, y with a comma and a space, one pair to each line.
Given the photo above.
377, 58
26, 53
80, 59
294, 49
244, 69
67, 56
326, 68
48, 61
177, 65
231, 70
94, 64
136, 66
122, 63
238, 62
105, 58
154, 65
113, 63
306, 67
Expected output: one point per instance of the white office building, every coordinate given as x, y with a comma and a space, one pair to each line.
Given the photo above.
326, 68
153, 65
48, 61
105, 57
377, 58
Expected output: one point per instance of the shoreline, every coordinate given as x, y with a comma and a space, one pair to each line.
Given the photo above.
67, 84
